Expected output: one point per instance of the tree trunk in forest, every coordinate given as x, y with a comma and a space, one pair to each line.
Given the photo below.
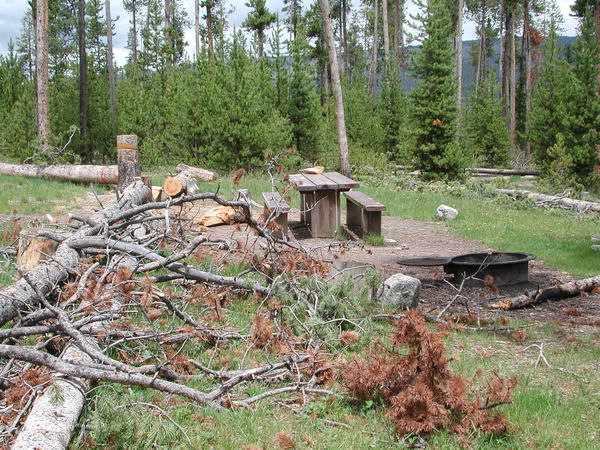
399, 35
20, 296
458, 54
86, 148
501, 67
41, 68
509, 73
562, 291
261, 43
373, 69
197, 28
482, 54
386, 29
526, 58
513, 84
209, 28
336, 87
74, 173
134, 57
111, 70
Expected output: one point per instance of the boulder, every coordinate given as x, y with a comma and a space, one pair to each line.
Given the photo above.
446, 212
400, 290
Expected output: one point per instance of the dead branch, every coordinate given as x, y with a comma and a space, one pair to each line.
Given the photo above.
562, 291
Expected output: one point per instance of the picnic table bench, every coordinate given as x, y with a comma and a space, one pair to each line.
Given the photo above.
363, 214
320, 200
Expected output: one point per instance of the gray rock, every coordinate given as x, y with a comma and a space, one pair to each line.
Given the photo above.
446, 212
596, 248
400, 290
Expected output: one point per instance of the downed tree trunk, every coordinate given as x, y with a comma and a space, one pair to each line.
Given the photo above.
564, 202
184, 182
52, 419
74, 173
20, 296
521, 172
562, 291
33, 249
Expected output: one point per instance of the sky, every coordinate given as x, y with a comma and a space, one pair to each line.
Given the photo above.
11, 12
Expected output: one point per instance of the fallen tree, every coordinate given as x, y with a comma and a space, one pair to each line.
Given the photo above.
518, 172
554, 200
20, 296
74, 173
185, 180
562, 291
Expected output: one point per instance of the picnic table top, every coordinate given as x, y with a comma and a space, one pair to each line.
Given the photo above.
327, 181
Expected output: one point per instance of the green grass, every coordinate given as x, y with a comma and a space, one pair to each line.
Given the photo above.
33, 195
375, 240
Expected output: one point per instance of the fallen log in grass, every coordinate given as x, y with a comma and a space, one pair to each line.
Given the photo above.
553, 200
562, 291
74, 173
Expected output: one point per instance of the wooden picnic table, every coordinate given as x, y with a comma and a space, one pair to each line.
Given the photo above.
320, 200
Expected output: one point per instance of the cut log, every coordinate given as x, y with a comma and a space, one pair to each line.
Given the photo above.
519, 172
552, 200
33, 249
20, 296
128, 159
185, 180
52, 418
74, 173
221, 215
562, 291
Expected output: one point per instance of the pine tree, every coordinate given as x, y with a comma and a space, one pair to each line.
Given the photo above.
152, 56
484, 128
434, 99
259, 19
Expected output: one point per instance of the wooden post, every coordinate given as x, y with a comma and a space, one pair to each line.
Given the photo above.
128, 157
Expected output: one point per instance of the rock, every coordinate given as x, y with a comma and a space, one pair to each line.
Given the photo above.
596, 248
400, 290
446, 212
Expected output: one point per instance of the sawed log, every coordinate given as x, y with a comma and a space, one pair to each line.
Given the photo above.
74, 173
562, 291
185, 179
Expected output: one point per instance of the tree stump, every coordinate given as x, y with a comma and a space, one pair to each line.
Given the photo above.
128, 157
33, 249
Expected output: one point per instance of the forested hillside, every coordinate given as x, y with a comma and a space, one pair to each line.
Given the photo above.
517, 94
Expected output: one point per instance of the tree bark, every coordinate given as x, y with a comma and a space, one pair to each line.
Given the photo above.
482, 54
562, 291
74, 173
209, 27
373, 69
128, 159
197, 27
33, 249
111, 70
83, 86
337, 88
458, 54
20, 296
386, 29
41, 67
526, 57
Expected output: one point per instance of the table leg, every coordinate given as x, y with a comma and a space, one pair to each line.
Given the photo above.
325, 214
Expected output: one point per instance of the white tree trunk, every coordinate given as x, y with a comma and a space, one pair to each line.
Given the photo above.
337, 88
386, 30
74, 173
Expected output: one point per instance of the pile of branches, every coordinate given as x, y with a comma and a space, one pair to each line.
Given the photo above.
118, 302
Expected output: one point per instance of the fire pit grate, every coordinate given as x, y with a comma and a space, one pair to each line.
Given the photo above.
505, 268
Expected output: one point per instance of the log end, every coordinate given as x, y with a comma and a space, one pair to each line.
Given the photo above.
173, 187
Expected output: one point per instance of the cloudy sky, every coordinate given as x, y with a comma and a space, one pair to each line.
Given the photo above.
11, 12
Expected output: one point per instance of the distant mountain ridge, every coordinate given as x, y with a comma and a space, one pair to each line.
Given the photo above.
468, 69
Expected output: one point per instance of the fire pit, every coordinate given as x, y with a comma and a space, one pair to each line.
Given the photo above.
505, 268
